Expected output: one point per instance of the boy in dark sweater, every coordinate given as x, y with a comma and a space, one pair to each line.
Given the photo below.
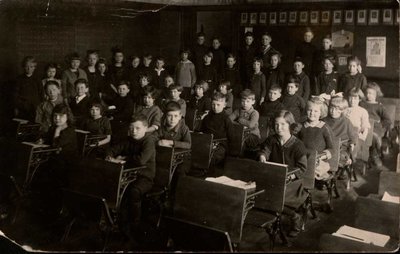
138, 149
292, 101
272, 106
302, 79
218, 124
207, 72
80, 103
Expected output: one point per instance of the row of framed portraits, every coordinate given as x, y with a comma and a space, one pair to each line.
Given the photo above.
335, 17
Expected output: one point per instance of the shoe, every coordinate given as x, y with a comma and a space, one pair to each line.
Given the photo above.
296, 225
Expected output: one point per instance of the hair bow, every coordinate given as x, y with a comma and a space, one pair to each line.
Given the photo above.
322, 97
333, 94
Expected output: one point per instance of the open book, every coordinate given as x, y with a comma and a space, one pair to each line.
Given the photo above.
389, 198
362, 236
231, 182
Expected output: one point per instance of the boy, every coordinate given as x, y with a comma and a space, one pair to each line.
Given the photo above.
306, 50
175, 92
185, 74
266, 50
273, 105
208, 72
138, 149
146, 68
292, 101
80, 103
248, 117
45, 109
232, 74
274, 74
159, 73
218, 124
151, 111
219, 55
302, 79
28, 91
327, 81
70, 75
247, 55
199, 50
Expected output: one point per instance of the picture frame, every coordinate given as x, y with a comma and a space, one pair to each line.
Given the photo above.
272, 18
244, 18
362, 17
292, 17
314, 17
349, 17
282, 17
373, 17
398, 16
253, 18
263, 18
303, 17
387, 16
325, 17
337, 17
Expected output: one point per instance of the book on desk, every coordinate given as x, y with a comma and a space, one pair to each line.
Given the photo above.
362, 235
248, 186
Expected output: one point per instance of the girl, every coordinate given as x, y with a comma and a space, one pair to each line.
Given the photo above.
258, 82
149, 109
357, 115
51, 73
321, 54
354, 78
316, 136
70, 75
92, 56
117, 68
108, 91
283, 147
382, 122
274, 74
168, 80
97, 124
232, 74
199, 101
327, 81
225, 88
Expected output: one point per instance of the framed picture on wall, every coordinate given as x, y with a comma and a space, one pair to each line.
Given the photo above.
362, 17
398, 16
272, 18
292, 17
303, 17
337, 17
243, 18
263, 18
387, 16
373, 17
325, 17
253, 18
282, 17
314, 17
349, 17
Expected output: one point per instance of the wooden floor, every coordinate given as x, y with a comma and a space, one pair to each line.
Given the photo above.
39, 229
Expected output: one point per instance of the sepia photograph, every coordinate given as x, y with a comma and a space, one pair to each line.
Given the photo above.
193, 126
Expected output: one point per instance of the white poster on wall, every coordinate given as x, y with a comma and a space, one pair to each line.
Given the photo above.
376, 51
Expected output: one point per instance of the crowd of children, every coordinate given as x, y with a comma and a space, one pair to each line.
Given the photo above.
138, 105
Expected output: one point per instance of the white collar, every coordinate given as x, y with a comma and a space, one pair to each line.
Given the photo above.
79, 98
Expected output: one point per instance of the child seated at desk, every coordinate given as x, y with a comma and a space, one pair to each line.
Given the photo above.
218, 124
175, 95
270, 107
138, 149
248, 117
173, 132
224, 87
149, 109
283, 147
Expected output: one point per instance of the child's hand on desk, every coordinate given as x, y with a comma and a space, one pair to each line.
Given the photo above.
263, 159
166, 143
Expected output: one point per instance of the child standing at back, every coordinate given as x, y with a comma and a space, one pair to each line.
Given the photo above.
354, 78
51, 73
224, 87
377, 112
70, 75
248, 117
328, 80
232, 74
174, 93
258, 82
159, 73
94, 82
149, 109
302, 79
208, 72
292, 101
321, 54
185, 74
274, 74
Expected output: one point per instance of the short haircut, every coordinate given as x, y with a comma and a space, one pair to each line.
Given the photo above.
51, 83
97, 104
101, 61
226, 83
275, 87
148, 55
353, 59
247, 94
51, 66
328, 37
322, 105
92, 52
74, 56
279, 55
116, 49
146, 76
133, 57
266, 34
160, 58
169, 76
209, 54
122, 83
217, 96
216, 38
298, 59
249, 34
201, 34
294, 81
258, 60
150, 90
376, 87
203, 84
28, 59
81, 81
139, 118
230, 55
172, 106
308, 30
185, 50
64, 110
356, 92
174, 86
339, 102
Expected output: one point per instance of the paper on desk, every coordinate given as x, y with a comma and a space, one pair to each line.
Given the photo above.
389, 198
231, 182
35, 145
362, 236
